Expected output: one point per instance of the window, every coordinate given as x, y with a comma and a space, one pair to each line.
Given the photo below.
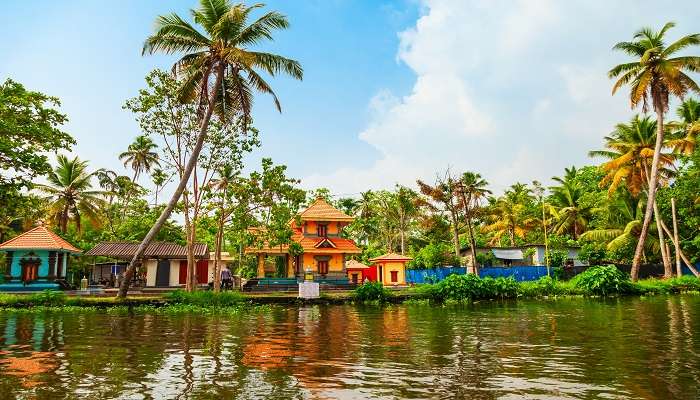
355, 279
323, 267
394, 276
322, 230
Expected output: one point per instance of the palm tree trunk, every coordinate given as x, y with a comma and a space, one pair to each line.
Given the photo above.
472, 245
402, 242
665, 256
455, 234
653, 180
219, 244
136, 260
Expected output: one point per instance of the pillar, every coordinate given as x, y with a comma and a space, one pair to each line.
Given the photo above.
290, 266
261, 265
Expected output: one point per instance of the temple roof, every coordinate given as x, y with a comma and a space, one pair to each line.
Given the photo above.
39, 238
312, 244
391, 257
126, 250
354, 264
320, 210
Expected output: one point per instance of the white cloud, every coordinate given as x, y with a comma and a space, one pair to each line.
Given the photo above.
513, 90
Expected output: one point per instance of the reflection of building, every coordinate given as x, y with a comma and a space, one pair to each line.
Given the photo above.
319, 235
530, 254
165, 263
36, 260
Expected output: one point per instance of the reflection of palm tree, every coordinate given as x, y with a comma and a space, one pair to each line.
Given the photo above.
70, 193
655, 74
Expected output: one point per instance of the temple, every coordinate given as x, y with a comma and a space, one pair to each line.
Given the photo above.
318, 232
36, 260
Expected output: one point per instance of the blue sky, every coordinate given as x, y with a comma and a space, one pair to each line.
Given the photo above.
393, 90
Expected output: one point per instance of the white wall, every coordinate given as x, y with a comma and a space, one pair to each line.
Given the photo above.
151, 266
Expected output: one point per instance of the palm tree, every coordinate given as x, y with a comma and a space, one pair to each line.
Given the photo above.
631, 155
218, 71
570, 212
226, 177
655, 74
688, 127
140, 156
70, 193
443, 197
509, 215
159, 178
472, 190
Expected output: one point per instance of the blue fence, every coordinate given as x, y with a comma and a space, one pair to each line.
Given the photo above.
521, 273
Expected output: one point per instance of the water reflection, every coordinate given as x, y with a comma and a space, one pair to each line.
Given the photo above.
626, 348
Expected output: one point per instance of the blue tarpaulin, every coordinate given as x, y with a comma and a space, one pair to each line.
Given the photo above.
521, 273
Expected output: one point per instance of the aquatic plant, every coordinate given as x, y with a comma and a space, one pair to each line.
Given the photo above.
372, 291
205, 298
603, 281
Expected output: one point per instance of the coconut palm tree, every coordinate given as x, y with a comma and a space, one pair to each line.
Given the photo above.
509, 215
656, 73
685, 139
70, 193
218, 71
442, 197
141, 156
226, 177
472, 190
571, 214
160, 178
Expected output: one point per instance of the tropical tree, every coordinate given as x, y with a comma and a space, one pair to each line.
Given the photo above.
218, 72
656, 73
160, 179
685, 139
140, 156
568, 206
472, 190
631, 154
70, 193
510, 215
442, 198
224, 179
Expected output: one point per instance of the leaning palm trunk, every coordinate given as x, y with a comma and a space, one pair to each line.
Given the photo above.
653, 179
665, 254
191, 163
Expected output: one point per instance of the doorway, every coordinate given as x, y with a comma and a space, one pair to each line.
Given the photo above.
163, 273
30, 271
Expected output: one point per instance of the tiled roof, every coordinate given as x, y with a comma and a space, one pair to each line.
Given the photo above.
320, 210
309, 244
354, 264
39, 238
126, 250
391, 257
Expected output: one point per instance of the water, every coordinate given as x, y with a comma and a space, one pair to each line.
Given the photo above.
628, 348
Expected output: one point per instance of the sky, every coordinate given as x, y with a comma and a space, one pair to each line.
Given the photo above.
393, 91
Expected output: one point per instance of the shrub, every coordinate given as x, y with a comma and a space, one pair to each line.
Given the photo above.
47, 298
459, 287
434, 255
603, 281
504, 288
372, 291
205, 298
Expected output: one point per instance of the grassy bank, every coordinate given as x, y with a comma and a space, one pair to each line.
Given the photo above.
599, 281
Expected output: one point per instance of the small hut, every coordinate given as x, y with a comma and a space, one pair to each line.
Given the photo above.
359, 272
391, 269
36, 260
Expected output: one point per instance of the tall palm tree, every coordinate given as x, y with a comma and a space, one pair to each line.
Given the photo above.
141, 156
655, 74
226, 177
160, 178
472, 190
218, 71
685, 139
70, 193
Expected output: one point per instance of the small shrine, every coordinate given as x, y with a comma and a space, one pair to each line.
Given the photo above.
36, 260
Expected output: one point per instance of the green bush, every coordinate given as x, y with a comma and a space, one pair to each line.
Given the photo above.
46, 298
434, 255
205, 298
372, 291
603, 281
459, 287
503, 288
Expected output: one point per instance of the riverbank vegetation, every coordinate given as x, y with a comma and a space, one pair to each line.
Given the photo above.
605, 208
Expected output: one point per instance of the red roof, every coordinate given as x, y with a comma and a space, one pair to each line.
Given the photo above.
39, 238
321, 210
309, 244
354, 264
391, 257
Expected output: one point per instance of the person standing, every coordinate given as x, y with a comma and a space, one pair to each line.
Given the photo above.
226, 278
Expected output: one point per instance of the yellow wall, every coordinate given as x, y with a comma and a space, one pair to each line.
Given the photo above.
335, 264
389, 266
312, 228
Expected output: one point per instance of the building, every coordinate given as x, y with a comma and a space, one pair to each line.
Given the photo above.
318, 233
165, 264
530, 254
36, 260
359, 272
391, 269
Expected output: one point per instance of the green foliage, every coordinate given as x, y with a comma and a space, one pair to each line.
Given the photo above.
486, 259
434, 255
592, 253
557, 258
603, 281
372, 291
500, 288
205, 298
459, 287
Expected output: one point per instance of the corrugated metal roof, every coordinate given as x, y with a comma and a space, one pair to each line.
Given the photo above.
126, 250
40, 238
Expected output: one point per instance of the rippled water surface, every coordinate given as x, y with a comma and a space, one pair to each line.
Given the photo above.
629, 348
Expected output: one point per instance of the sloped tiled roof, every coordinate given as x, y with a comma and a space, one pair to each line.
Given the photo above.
354, 264
40, 238
320, 210
126, 250
309, 244
391, 257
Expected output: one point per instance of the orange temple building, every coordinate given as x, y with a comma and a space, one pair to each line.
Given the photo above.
319, 232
